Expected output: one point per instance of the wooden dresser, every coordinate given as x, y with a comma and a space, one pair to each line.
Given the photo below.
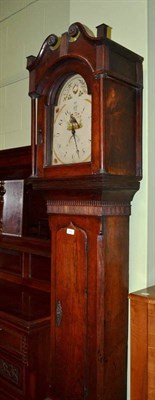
142, 309
24, 282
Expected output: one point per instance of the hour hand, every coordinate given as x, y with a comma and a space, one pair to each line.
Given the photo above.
77, 150
74, 137
73, 130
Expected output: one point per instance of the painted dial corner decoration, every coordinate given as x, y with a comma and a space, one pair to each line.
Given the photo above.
72, 123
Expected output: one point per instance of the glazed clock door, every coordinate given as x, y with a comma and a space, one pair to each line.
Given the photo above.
70, 313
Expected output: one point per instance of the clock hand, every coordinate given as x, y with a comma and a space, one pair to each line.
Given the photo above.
73, 133
74, 124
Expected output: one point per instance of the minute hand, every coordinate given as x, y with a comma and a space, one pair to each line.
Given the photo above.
73, 133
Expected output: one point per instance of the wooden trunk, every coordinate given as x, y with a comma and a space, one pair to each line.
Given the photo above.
88, 302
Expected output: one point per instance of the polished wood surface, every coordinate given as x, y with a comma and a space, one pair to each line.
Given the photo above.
64, 253
25, 261
142, 305
16, 163
23, 302
88, 205
24, 342
113, 75
90, 281
70, 286
13, 207
25, 274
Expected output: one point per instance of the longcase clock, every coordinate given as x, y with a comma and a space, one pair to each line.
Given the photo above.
86, 95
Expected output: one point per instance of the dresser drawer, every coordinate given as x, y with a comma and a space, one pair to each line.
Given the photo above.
10, 340
11, 373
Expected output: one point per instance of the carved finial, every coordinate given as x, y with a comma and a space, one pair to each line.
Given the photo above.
52, 40
103, 31
73, 30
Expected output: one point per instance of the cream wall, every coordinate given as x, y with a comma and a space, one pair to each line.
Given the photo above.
128, 19
24, 24
151, 142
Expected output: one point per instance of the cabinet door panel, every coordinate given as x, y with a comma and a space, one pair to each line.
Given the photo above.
71, 312
11, 374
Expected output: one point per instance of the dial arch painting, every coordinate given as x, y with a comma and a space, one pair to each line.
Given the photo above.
72, 123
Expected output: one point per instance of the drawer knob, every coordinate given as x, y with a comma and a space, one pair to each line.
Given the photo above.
1, 329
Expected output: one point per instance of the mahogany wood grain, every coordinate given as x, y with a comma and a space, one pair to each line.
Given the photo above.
101, 284
25, 261
70, 349
151, 351
139, 357
88, 206
63, 294
13, 207
19, 165
113, 75
142, 305
25, 270
24, 341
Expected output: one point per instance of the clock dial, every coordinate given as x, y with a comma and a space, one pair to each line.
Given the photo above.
72, 124
75, 87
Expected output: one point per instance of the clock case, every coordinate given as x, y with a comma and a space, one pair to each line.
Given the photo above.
88, 209
113, 75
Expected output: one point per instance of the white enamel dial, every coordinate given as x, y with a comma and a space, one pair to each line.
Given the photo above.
72, 124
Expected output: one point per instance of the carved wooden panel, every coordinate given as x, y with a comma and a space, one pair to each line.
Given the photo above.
11, 371
13, 207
